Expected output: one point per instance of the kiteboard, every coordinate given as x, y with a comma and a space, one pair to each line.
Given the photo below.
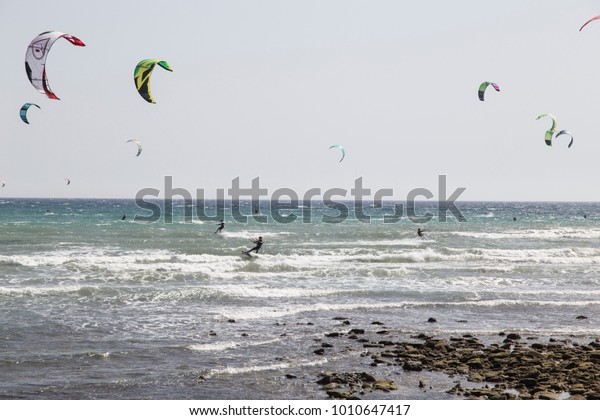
247, 254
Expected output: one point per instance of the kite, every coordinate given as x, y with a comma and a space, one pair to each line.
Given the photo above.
568, 133
24, 109
68, 181
592, 19
139, 145
483, 87
35, 59
141, 77
339, 146
551, 131
3, 182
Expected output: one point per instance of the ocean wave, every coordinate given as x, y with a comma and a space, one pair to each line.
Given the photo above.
261, 368
228, 345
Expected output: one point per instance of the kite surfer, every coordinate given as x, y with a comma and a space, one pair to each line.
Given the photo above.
221, 226
258, 242
421, 233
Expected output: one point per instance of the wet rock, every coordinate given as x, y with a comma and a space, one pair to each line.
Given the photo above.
357, 331
513, 336
581, 317
528, 382
545, 395
384, 385
412, 366
338, 395
432, 320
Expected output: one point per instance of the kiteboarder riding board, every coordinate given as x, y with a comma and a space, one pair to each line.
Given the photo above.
247, 254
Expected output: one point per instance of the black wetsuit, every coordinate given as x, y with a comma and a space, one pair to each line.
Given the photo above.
259, 244
220, 228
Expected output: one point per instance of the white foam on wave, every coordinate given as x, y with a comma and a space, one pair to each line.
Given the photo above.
486, 215
263, 368
531, 234
246, 313
228, 345
272, 292
251, 234
220, 346
41, 290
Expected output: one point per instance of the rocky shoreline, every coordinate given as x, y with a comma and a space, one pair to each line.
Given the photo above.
507, 366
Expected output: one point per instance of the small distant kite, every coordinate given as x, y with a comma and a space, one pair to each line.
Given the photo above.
139, 145
568, 133
141, 77
592, 19
551, 131
339, 146
68, 181
35, 59
3, 182
24, 109
483, 87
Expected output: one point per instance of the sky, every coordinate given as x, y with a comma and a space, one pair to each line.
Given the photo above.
263, 88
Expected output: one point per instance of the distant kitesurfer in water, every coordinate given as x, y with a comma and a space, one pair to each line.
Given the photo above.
221, 226
124, 217
585, 216
421, 233
514, 219
258, 242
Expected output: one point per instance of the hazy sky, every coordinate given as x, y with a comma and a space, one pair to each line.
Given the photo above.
263, 88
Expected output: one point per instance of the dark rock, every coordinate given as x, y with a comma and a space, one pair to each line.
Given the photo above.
231, 320
333, 334
528, 382
319, 352
357, 331
581, 317
326, 345
412, 366
290, 376
513, 336
432, 320
377, 323
423, 337
538, 346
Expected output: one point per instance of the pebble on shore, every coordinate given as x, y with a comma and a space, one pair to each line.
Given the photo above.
510, 369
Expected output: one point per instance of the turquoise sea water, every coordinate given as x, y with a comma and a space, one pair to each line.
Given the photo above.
92, 306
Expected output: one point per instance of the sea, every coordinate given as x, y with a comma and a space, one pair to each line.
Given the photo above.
95, 305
